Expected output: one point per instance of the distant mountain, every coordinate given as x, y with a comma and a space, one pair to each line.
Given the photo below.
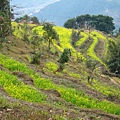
58, 11
30, 6
62, 10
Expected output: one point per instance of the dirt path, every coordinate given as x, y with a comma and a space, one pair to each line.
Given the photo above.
111, 82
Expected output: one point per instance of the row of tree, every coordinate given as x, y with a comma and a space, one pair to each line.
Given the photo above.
27, 19
98, 22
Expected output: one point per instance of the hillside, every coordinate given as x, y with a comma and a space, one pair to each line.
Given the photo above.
40, 92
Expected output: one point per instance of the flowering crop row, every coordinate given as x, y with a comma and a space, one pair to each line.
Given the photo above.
19, 90
64, 36
84, 37
51, 67
105, 89
91, 51
100, 36
13, 65
69, 94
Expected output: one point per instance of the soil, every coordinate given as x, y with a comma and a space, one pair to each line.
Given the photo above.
100, 48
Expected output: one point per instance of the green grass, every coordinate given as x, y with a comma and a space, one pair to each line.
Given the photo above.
3, 103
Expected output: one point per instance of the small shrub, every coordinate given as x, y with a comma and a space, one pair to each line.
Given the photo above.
36, 58
64, 56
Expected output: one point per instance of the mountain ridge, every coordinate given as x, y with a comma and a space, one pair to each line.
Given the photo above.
60, 11
30, 7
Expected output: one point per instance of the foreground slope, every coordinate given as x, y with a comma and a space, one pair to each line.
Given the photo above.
37, 92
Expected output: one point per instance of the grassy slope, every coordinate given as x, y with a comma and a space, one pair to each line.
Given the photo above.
60, 92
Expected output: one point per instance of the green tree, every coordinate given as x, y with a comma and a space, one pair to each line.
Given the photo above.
64, 58
36, 43
93, 68
5, 23
71, 23
104, 23
99, 22
19, 19
113, 58
35, 20
80, 21
83, 21
25, 32
49, 34
26, 18
5, 7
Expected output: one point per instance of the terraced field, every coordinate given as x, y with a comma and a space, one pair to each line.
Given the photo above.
64, 37
61, 95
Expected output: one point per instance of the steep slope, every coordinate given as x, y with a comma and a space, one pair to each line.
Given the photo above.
29, 91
